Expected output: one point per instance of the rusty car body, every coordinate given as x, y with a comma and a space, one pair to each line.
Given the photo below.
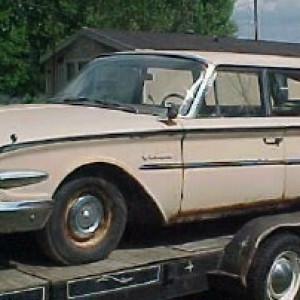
107, 152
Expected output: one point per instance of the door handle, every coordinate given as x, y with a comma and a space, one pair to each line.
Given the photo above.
273, 141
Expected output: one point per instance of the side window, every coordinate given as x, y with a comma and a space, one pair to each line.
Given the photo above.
234, 93
166, 85
284, 91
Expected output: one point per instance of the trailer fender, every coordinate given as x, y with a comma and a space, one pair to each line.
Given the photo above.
239, 253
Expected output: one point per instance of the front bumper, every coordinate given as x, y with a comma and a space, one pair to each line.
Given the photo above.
24, 215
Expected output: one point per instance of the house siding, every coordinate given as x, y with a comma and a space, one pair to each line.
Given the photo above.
65, 64
88, 43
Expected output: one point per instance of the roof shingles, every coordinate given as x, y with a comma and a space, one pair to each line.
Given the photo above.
131, 40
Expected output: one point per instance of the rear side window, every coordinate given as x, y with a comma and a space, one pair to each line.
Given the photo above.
235, 93
284, 91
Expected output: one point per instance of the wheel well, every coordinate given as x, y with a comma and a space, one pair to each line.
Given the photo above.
281, 230
141, 207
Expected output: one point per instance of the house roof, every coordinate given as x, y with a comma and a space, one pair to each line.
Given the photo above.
132, 40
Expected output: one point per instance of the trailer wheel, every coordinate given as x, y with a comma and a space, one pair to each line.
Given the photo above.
87, 221
275, 271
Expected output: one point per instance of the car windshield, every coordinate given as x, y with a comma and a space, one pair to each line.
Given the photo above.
135, 80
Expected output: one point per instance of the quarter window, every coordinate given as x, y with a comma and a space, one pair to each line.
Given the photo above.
284, 90
233, 94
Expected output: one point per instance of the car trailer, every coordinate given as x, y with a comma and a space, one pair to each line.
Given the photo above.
262, 255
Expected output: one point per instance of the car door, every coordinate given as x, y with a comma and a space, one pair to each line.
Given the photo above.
232, 153
284, 94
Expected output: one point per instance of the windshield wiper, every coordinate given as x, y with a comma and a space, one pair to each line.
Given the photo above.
116, 105
95, 103
69, 100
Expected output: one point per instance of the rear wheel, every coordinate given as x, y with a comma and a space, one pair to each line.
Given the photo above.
275, 271
87, 222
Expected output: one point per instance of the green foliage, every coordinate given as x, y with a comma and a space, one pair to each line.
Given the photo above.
13, 63
204, 17
130, 15
200, 16
30, 28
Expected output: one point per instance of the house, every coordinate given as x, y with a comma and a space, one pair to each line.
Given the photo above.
64, 62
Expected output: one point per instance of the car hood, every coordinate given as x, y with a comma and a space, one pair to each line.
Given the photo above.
27, 123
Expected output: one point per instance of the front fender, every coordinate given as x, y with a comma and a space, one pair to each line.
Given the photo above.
59, 160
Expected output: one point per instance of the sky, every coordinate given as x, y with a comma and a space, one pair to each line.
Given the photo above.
278, 20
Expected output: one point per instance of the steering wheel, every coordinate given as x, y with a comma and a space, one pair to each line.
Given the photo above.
171, 95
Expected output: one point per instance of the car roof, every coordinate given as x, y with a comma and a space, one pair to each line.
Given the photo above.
237, 59
243, 59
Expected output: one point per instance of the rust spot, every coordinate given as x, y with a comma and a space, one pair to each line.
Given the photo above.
13, 137
169, 122
270, 206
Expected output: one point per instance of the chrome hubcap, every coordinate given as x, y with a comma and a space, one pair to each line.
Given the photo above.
86, 214
284, 277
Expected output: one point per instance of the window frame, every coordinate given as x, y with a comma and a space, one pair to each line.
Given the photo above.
269, 70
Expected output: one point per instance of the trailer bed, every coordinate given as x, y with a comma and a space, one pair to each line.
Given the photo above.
137, 270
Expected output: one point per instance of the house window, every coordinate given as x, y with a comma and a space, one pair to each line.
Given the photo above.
81, 64
70, 71
73, 68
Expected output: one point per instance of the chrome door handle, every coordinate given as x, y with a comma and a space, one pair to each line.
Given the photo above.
273, 141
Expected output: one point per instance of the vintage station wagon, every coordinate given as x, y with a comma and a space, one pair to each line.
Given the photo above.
150, 137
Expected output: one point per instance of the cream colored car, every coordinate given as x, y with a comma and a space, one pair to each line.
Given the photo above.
110, 149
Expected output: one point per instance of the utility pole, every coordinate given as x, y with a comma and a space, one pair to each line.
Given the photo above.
256, 27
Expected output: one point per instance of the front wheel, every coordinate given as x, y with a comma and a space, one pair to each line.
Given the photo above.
275, 271
87, 222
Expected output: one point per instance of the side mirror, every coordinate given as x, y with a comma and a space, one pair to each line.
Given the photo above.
170, 114
172, 111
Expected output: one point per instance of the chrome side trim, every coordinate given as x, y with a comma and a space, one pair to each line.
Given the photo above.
129, 134
22, 216
16, 178
242, 163
143, 134
219, 164
6, 206
162, 166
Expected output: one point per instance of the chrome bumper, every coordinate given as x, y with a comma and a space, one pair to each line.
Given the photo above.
24, 215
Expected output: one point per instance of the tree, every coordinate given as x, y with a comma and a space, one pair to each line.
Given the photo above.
214, 17
130, 14
13, 52
201, 16
29, 28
